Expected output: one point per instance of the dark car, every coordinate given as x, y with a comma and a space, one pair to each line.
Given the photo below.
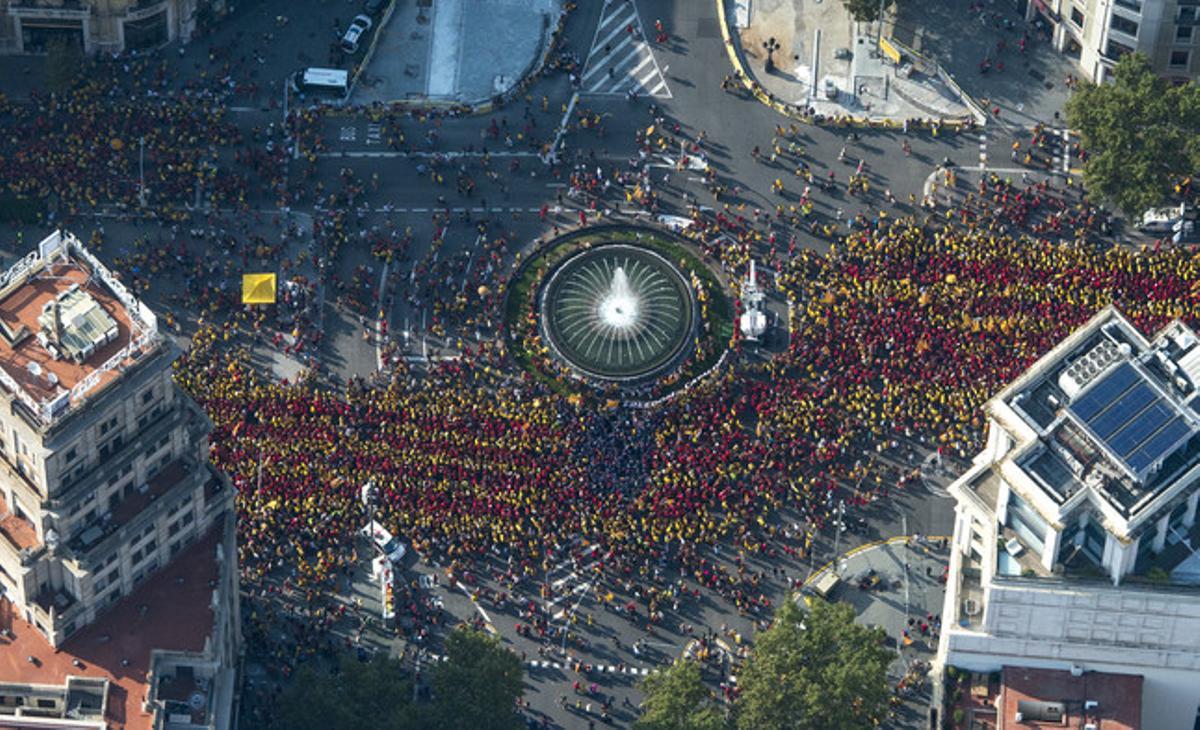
374, 7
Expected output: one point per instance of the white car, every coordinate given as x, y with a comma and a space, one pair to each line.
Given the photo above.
361, 24
388, 545
1161, 220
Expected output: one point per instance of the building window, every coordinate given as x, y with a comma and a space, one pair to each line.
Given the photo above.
1180, 59
1124, 25
1182, 33
45, 704
1134, 5
1187, 15
1077, 17
1115, 51
148, 396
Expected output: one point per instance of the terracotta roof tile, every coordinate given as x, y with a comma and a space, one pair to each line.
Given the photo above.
177, 616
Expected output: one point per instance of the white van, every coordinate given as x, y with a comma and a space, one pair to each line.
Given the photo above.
388, 545
1161, 220
321, 82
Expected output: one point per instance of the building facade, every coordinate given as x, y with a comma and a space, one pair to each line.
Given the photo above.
1098, 32
99, 26
104, 473
1074, 526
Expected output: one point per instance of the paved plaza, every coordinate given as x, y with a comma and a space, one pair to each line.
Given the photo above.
457, 50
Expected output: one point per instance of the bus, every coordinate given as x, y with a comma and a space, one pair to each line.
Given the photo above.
328, 83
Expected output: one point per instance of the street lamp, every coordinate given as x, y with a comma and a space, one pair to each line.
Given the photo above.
770, 46
142, 171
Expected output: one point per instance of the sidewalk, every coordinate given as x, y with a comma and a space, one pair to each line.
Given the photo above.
1027, 83
825, 61
903, 582
464, 51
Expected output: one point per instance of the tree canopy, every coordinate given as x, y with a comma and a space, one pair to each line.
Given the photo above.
359, 696
1142, 135
478, 685
866, 11
676, 699
815, 670
64, 64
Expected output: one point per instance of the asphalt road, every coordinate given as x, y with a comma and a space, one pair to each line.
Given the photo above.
402, 191
445, 250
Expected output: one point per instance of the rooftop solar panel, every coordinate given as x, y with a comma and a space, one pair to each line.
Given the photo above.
1139, 427
1123, 410
1127, 414
1158, 445
1104, 392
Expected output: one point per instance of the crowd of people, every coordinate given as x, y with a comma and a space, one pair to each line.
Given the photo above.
905, 321
900, 334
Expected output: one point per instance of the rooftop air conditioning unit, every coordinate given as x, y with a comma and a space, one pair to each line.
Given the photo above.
1091, 705
1090, 726
1019, 717
1076, 670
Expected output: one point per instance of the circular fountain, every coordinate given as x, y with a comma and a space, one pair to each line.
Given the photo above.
618, 312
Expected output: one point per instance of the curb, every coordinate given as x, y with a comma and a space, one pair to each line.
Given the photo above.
863, 548
533, 71
743, 76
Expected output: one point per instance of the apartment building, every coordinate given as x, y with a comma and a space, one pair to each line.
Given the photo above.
1076, 525
100, 26
1098, 32
105, 485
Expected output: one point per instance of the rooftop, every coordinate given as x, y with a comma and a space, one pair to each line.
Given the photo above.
1114, 413
18, 530
170, 611
67, 327
1053, 698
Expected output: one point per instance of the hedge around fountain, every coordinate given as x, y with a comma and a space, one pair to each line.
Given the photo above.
714, 330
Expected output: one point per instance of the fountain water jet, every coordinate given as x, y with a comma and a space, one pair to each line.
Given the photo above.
620, 307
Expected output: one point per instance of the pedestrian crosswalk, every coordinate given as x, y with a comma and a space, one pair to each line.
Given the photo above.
620, 59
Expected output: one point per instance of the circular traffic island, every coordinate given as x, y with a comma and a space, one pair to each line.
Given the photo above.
617, 312
631, 311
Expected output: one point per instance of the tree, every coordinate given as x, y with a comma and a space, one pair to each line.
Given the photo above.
867, 11
815, 669
358, 696
676, 699
478, 685
1142, 135
64, 62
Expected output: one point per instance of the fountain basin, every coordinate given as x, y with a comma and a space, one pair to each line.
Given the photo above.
618, 312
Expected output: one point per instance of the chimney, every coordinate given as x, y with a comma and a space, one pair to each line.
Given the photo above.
55, 323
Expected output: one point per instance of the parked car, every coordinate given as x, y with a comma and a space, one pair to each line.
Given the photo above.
360, 25
374, 8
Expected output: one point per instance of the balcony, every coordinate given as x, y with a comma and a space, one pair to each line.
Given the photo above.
69, 5
104, 468
137, 510
17, 531
1178, 563
970, 596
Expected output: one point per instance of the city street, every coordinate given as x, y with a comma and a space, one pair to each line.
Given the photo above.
397, 230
